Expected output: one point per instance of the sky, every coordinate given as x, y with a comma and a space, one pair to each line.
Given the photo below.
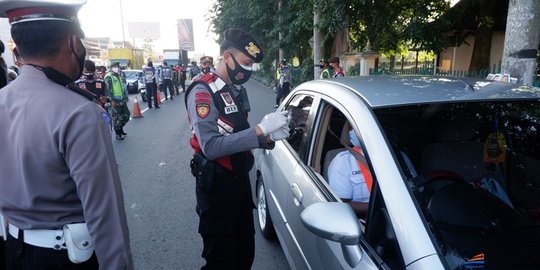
102, 18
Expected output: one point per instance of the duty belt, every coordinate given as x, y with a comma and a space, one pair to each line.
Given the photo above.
40, 238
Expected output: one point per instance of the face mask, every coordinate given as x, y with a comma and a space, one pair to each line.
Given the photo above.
240, 74
80, 58
321, 66
353, 138
115, 70
205, 70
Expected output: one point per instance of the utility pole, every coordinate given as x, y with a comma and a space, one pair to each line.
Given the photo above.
122, 19
521, 40
280, 34
316, 40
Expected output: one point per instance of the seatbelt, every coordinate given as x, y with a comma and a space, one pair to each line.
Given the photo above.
364, 169
360, 159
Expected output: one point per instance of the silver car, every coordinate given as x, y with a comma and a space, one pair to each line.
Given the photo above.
453, 168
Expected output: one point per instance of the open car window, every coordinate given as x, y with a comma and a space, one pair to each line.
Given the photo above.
474, 170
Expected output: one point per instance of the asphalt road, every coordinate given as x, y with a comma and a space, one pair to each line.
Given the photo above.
159, 189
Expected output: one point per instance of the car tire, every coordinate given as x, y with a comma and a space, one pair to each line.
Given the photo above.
263, 215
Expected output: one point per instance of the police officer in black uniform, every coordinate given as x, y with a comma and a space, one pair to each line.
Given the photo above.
92, 83
222, 140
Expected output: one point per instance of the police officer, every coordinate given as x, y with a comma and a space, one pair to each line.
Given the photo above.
182, 77
336, 69
59, 173
166, 80
92, 83
325, 69
222, 140
149, 73
119, 109
207, 66
285, 80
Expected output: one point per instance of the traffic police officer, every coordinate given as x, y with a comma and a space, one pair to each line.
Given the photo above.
149, 73
325, 69
59, 173
207, 66
166, 79
92, 83
222, 140
119, 109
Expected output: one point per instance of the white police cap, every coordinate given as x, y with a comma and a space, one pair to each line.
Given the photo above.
18, 11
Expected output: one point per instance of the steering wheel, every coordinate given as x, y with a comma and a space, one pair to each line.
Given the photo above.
437, 179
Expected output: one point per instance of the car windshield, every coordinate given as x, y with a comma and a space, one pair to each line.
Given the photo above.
474, 171
133, 75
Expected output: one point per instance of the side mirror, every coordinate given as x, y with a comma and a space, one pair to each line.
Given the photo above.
336, 222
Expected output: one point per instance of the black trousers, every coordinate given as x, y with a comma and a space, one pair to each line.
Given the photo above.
282, 92
22, 256
226, 222
228, 251
2, 254
167, 84
151, 93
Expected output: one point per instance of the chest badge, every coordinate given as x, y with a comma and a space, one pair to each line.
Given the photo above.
230, 106
82, 85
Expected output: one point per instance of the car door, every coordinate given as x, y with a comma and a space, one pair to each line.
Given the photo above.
309, 187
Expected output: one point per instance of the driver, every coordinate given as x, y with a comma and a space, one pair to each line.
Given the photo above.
347, 178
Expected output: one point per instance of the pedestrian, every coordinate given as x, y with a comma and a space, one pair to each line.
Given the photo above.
337, 71
222, 140
60, 186
3, 67
118, 105
325, 69
285, 80
182, 77
92, 83
149, 73
166, 80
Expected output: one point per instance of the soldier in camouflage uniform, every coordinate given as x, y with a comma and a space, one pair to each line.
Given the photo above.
118, 107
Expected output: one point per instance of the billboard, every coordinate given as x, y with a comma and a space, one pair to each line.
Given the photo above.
185, 34
143, 30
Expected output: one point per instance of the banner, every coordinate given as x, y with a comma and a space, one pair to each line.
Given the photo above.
185, 34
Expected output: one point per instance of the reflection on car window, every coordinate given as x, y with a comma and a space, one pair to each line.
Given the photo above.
298, 109
474, 169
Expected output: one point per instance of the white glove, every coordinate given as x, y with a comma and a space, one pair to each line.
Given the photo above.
280, 134
273, 121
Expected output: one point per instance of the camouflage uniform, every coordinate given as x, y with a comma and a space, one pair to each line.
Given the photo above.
119, 112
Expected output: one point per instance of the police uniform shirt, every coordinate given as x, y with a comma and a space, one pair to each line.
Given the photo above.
216, 137
166, 73
149, 75
346, 179
58, 165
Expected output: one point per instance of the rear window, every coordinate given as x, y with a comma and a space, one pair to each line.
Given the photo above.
474, 170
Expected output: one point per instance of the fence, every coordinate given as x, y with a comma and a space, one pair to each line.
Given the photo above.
429, 70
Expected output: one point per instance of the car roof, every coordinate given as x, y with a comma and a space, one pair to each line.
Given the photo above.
384, 91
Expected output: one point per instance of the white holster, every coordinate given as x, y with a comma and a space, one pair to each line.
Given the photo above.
78, 242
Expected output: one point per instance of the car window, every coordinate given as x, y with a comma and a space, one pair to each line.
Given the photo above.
299, 108
474, 170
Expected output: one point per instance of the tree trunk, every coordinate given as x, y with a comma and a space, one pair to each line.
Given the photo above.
482, 50
521, 40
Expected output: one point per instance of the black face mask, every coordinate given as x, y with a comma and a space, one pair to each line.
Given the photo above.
80, 58
321, 66
239, 75
205, 70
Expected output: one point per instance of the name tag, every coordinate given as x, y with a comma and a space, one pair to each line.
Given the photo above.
231, 109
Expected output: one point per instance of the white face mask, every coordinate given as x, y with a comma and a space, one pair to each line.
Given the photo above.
115, 69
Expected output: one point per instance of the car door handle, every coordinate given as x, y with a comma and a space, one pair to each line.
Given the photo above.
297, 192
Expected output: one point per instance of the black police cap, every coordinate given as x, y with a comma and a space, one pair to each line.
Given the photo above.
243, 42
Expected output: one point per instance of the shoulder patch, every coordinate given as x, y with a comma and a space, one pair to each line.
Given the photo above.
99, 85
82, 85
202, 109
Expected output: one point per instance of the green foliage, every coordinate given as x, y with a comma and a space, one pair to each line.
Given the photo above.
389, 25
